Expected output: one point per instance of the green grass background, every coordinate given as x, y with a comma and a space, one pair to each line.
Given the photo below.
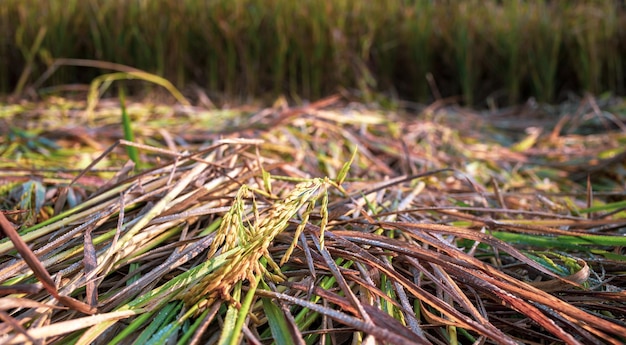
503, 51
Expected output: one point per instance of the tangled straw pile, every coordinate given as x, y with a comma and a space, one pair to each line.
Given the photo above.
425, 230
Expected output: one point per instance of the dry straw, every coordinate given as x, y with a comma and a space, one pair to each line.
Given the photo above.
429, 229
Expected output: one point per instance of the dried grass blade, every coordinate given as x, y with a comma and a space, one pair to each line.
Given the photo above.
15, 302
518, 304
94, 162
523, 289
20, 288
586, 320
343, 284
64, 327
15, 325
455, 291
81, 62
76, 304
309, 262
408, 313
417, 230
378, 316
380, 333
347, 237
175, 260
185, 180
38, 268
90, 263
70, 217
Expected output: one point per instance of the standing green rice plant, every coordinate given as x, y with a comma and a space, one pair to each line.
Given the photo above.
6, 29
419, 23
464, 45
280, 42
29, 55
175, 51
28, 26
544, 50
593, 30
225, 17
205, 42
586, 31
309, 48
320, 33
249, 43
508, 24
614, 49
300, 66
339, 41
104, 23
367, 27
380, 58
64, 19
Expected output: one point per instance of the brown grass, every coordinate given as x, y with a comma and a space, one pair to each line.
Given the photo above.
449, 227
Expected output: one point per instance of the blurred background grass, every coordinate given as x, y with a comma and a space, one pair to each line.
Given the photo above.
498, 51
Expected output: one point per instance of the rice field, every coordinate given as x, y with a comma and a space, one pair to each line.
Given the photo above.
333, 222
313, 172
495, 53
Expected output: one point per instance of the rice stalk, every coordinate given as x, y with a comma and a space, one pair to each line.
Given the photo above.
251, 48
410, 254
247, 243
